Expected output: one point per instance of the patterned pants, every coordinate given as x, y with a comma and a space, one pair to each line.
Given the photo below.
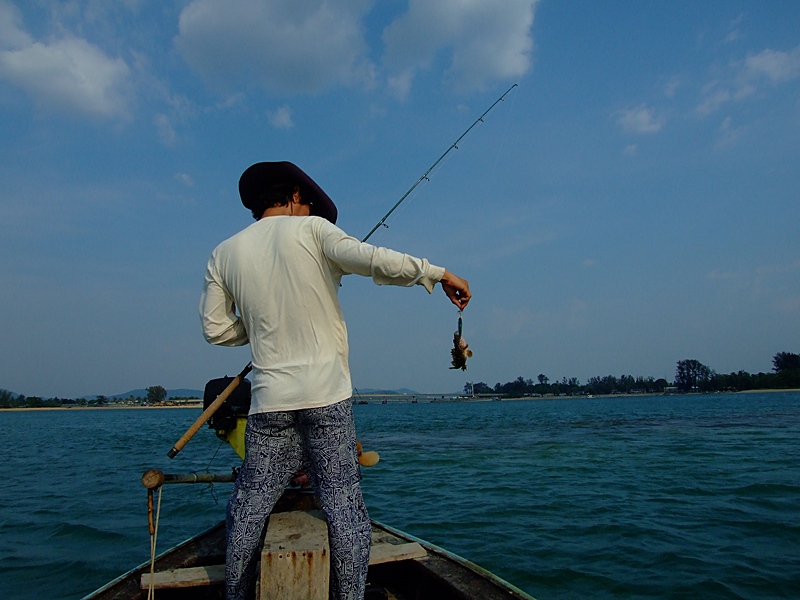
276, 445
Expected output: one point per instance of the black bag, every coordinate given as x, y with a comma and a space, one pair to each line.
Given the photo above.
237, 404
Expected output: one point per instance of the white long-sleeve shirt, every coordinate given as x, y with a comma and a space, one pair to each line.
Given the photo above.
282, 275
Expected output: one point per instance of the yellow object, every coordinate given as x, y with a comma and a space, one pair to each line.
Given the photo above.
235, 437
368, 459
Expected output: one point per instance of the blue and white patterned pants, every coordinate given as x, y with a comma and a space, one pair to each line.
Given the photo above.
276, 445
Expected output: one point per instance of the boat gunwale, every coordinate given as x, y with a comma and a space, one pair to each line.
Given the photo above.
460, 560
146, 564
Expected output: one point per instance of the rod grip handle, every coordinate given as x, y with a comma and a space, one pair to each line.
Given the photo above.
209, 412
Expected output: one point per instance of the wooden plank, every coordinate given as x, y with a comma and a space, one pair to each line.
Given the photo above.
383, 553
288, 533
295, 561
181, 578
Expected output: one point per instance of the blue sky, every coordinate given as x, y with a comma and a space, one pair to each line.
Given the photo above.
632, 203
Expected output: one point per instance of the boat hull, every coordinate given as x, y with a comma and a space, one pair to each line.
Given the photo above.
438, 575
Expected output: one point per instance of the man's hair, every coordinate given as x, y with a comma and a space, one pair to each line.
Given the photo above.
277, 194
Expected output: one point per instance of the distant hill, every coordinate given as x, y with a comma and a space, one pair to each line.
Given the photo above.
142, 393
377, 392
185, 393
189, 393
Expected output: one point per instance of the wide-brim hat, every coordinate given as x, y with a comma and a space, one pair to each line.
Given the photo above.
260, 175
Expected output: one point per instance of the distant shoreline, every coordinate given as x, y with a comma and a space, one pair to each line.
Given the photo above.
405, 400
645, 395
198, 404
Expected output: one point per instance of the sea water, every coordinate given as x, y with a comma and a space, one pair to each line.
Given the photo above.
634, 497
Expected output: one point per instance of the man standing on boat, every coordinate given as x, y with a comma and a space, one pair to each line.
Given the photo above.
275, 286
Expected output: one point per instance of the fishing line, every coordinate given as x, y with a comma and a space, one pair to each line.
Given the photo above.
426, 174
208, 466
210, 487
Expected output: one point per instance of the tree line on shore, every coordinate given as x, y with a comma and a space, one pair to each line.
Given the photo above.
690, 376
156, 394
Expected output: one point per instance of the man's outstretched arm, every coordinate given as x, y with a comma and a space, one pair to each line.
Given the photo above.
456, 288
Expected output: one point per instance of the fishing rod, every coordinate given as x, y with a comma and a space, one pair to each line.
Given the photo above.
453, 146
212, 408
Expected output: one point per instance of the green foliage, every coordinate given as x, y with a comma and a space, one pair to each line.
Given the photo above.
476, 388
785, 361
691, 376
788, 378
6, 399
482, 388
742, 380
156, 394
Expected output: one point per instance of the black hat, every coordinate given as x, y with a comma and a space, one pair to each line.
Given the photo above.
257, 177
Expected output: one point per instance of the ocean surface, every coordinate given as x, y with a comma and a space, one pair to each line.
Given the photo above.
636, 497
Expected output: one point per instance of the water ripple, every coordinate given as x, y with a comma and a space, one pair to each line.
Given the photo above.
673, 497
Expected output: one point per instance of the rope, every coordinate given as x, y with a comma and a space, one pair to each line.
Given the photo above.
208, 466
151, 593
210, 486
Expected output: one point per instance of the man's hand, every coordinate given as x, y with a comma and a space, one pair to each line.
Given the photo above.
457, 289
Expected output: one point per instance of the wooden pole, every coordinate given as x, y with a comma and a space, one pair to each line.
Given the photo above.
209, 412
154, 479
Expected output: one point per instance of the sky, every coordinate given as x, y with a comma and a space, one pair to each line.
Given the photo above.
633, 202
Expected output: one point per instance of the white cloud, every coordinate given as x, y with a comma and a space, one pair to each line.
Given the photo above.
281, 118
733, 36
400, 85
165, 130
65, 75
286, 47
640, 120
728, 133
231, 101
12, 37
745, 78
672, 86
185, 179
713, 100
775, 65
723, 275
484, 40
